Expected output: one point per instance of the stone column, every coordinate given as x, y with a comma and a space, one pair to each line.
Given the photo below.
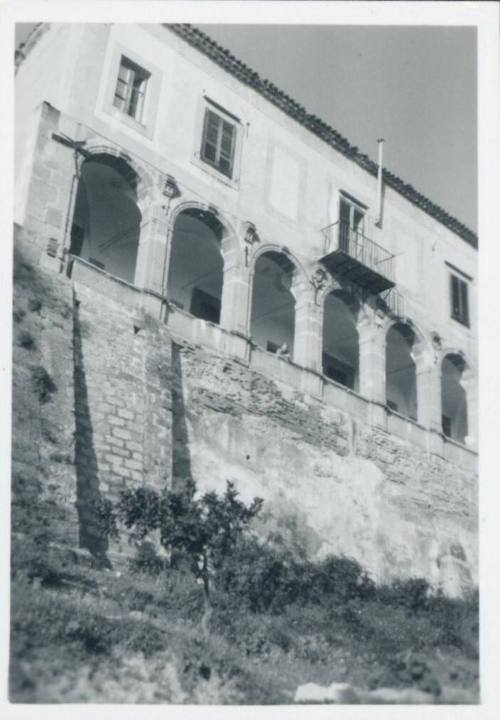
151, 254
235, 300
372, 338
469, 384
308, 327
428, 391
372, 347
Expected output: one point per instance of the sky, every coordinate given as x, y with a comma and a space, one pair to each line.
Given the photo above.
414, 86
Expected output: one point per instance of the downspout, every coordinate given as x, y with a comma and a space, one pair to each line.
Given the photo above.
380, 142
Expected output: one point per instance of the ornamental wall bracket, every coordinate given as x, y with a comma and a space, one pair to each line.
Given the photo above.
170, 190
437, 344
251, 234
319, 280
251, 238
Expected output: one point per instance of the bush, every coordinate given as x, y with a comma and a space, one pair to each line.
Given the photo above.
204, 530
147, 559
270, 578
413, 594
43, 384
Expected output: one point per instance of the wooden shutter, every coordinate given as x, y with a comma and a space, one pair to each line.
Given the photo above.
455, 297
210, 137
464, 302
345, 221
123, 87
226, 148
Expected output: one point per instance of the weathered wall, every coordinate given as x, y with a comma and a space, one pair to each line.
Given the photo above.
146, 408
330, 484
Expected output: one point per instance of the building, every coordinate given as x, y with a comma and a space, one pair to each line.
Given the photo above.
245, 305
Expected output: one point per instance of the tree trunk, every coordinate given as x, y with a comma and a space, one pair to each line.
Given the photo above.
207, 612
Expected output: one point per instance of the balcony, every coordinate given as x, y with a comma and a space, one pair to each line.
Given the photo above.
351, 255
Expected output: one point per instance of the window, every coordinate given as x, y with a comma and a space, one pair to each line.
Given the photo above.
130, 89
351, 222
205, 306
272, 347
446, 425
459, 300
218, 142
338, 371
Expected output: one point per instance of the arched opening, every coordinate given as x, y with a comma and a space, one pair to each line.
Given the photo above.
400, 371
272, 324
106, 219
195, 275
453, 398
341, 340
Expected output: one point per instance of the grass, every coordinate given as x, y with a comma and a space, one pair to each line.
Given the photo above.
85, 635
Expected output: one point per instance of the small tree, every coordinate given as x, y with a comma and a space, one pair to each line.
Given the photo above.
205, 529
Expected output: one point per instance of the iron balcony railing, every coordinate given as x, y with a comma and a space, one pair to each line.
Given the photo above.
340, 236
394, 301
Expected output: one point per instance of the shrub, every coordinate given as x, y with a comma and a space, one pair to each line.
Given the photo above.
204, 530
271, 578
147, 559
413, 594
106, 518
43, 384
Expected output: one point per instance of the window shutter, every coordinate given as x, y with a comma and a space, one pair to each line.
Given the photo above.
464, 302
210, 136
227, 147
345, 212
218, 142
130, 91
123, 87
455, 297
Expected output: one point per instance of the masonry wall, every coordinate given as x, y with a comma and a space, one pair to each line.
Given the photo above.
134, 405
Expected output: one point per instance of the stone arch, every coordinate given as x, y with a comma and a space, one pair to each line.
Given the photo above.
203, 245
275, 277
300, 276
144, 178
403, 346
231, 247
340, 339
106, 215
455, 377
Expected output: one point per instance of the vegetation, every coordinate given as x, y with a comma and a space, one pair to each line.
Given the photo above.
80, 634
203, 530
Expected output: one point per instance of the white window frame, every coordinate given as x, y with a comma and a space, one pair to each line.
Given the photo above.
135, 88
146, 125
353, 206
221, 155
206, 104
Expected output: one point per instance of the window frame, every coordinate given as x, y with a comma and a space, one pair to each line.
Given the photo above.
205, 104
105, 102
134, 99
351, 236
459, 299
220, 154
354, 206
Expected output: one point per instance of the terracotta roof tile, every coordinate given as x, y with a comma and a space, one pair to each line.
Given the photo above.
332, 137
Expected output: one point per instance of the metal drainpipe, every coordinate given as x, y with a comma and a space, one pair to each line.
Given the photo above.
380, 142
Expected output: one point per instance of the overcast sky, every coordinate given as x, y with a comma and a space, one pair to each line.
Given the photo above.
414, 86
